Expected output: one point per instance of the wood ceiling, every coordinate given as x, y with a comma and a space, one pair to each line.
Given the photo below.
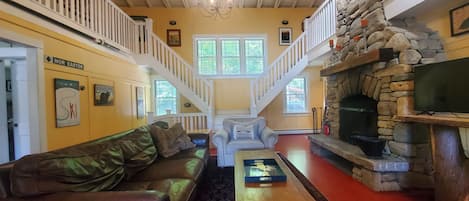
237, 3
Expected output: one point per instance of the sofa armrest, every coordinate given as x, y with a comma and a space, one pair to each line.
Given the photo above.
220, 138
200, 139
269, 138
106, 196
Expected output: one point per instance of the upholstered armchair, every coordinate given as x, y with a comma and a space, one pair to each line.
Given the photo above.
242, 134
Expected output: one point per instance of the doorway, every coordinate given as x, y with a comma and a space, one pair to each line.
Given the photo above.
20, 127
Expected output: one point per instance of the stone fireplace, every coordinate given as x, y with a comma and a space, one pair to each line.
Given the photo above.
365, 99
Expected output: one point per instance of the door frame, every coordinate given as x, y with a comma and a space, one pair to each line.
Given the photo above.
36, 77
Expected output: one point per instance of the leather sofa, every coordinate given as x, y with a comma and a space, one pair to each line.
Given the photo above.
121, 167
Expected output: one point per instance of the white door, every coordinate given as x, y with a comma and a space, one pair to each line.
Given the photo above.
4, 145
21, 112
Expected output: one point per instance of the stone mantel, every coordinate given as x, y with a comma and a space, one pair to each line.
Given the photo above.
378, 55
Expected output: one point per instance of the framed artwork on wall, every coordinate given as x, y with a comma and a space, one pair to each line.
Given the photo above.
459, 20
285, 34
67, 103
173, 37
140, 102
103, 95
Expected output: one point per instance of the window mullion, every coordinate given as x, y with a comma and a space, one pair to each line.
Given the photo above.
242, 56
219, 56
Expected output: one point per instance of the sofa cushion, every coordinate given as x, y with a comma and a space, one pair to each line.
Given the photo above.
171, 141
5, 180
236, 145
199, 153
139, 151
94, 167
177, 189
190, 168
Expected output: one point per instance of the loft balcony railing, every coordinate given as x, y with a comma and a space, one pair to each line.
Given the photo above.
100, 20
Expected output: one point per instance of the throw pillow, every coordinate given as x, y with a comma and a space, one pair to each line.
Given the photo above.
241, 131
92, 168
170, 141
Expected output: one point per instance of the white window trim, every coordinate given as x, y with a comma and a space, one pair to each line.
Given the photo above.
159, 78
219, 70
307, 99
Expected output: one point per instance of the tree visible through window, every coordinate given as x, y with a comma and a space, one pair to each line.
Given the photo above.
166, 97
230, 56
295, 96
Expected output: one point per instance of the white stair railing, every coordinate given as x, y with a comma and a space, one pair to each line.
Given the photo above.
170, 65
101, 20
189, 121
322, 24
289, 64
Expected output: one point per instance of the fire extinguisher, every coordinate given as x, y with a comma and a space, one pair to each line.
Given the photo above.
326, 128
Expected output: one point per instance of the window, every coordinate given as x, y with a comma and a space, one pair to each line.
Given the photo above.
296, 96
166, 97
230, 56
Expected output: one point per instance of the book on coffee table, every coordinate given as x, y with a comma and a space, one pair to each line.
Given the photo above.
263, 171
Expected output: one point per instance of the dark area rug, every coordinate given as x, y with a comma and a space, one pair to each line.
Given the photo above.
218, 184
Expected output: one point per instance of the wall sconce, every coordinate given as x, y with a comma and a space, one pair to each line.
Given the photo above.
172, 22
284, 22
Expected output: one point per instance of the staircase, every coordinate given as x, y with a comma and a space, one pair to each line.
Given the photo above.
154, 53
270, 83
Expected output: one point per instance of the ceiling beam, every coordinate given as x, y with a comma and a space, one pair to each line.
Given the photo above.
293, 5
312, 3
166, 3
241, 4
149, 5
277, 3
259, 3
129, 3
186, 3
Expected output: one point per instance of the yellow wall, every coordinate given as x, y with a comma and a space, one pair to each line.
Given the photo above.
100, 68
438, 19
277, 120
230, 94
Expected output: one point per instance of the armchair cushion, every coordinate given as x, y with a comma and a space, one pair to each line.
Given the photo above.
241, 131
258, 125
235, 145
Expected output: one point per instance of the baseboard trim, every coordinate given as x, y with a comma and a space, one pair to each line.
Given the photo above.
297, 131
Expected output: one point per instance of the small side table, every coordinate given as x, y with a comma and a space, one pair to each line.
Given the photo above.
209, 132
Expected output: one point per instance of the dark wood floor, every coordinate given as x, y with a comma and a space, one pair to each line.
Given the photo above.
334, 184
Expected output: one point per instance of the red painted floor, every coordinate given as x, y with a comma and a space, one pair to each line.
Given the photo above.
334, 184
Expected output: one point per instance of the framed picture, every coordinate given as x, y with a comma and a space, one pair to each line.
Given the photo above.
173, 37
459, 18
103, 95
67, 103
140, 102
285, 35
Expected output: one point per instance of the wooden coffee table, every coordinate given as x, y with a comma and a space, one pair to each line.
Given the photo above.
292, 189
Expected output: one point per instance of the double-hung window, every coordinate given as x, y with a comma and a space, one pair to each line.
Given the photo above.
165, 97
296, 96
230, 55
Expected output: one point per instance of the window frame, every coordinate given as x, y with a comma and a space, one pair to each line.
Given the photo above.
219, 61
307, 98
155, 98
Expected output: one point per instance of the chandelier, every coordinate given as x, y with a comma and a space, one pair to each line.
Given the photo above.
216, 8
